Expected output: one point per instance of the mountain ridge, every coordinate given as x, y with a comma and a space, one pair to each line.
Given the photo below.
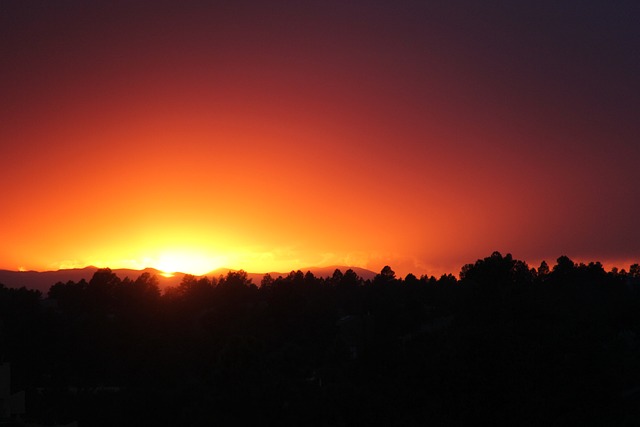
43, 280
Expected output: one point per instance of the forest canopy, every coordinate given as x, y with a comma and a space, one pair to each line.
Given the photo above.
503, 342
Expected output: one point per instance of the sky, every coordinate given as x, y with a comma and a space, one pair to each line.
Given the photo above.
271, 136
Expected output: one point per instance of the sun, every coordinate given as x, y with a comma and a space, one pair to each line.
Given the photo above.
186, 262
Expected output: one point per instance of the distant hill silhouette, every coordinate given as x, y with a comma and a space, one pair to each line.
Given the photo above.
317, 271
328, 271
43, 280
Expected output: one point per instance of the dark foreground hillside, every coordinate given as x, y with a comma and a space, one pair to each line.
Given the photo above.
504, 344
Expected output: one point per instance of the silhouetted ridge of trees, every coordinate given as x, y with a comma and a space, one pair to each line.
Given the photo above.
506, 343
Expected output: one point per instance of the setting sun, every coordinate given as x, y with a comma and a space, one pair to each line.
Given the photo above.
186, 262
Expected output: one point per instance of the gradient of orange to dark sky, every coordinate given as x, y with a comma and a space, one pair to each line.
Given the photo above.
280, 135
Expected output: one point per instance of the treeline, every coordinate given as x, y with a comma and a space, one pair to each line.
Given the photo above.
504, 343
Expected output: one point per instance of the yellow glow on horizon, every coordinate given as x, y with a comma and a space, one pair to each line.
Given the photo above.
163, 255
198, 250
190, 262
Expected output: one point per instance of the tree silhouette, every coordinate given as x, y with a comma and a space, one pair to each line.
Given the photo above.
495, 273
564, 266
385, 277
504, 344
336, 278
543, 270
634, 271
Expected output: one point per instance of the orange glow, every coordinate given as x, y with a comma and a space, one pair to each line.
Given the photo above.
193, 138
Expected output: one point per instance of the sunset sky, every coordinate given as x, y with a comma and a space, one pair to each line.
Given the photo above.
270, 136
